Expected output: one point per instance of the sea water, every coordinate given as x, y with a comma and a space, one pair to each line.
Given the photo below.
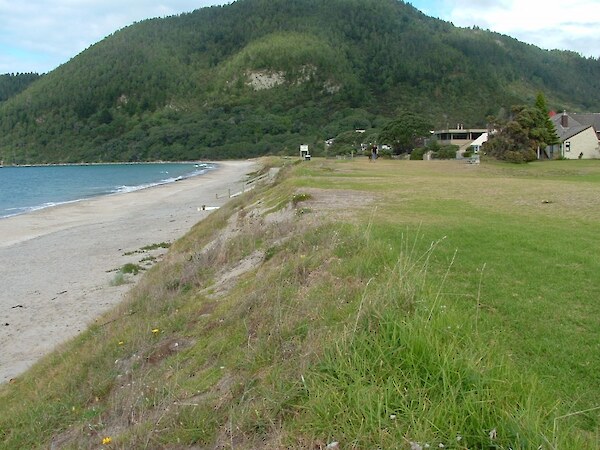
25, 189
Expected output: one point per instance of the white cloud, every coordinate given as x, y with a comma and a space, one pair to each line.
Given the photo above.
39, 35
549, 24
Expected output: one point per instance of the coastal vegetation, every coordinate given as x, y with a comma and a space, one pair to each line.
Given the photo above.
125, 273
260, 77
400, 304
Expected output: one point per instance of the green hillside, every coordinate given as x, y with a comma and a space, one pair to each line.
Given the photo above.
262, 76
11, 84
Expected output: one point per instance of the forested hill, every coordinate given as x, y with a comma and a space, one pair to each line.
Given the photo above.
11, 84
260, 76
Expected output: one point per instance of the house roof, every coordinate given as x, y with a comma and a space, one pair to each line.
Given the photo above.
480, 140
573, 128
592, 119
573, 131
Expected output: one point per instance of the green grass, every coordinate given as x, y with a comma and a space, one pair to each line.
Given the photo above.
411, 304
150, 247
121, 278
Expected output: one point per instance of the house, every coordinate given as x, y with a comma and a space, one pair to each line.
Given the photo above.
578, 136
478, 143
461, 136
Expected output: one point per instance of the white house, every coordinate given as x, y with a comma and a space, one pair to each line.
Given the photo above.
577, 140
461, 136
477, 143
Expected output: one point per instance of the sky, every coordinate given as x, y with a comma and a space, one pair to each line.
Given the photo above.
39, 35
549, 24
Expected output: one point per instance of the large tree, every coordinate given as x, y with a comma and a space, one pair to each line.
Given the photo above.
548, 131
525, 135
402, 133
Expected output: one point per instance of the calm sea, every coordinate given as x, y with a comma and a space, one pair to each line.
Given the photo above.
24, 189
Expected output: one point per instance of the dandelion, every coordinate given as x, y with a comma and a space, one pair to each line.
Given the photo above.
155, 331
107, 440
493, 434
121, 342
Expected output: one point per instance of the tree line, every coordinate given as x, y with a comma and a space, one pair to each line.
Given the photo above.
12, 84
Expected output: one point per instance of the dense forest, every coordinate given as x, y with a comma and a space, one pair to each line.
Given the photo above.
11, 84
263, 76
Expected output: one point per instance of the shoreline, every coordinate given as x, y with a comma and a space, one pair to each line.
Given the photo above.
200, 171
58, 262
108, 163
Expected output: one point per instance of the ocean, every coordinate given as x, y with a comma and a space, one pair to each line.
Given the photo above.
25, 189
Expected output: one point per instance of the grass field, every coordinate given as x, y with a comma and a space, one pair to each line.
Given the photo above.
396, 304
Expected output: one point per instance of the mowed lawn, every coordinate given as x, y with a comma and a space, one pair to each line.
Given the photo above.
520, 241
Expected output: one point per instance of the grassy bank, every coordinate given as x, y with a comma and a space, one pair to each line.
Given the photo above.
400, 304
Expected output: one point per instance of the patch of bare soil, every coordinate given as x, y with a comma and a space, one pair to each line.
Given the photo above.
337, 203
277, 226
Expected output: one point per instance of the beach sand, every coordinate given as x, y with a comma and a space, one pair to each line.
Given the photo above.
57, 264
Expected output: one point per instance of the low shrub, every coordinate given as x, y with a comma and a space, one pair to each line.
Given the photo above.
418, 153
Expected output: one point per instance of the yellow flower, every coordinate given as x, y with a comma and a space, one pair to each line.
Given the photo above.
155, 331
107, 440
121, 342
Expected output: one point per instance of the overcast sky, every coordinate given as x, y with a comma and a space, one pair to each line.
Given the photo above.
549, 24
39, 35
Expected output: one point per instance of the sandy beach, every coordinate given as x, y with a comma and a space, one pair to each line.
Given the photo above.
57, 264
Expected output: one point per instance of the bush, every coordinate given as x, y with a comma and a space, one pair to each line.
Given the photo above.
446, 152
418, 153
384, 153
519, 157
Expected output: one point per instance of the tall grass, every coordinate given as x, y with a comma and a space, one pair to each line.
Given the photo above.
416, 373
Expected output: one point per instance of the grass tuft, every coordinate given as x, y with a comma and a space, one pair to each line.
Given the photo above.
151, 247
300, 197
